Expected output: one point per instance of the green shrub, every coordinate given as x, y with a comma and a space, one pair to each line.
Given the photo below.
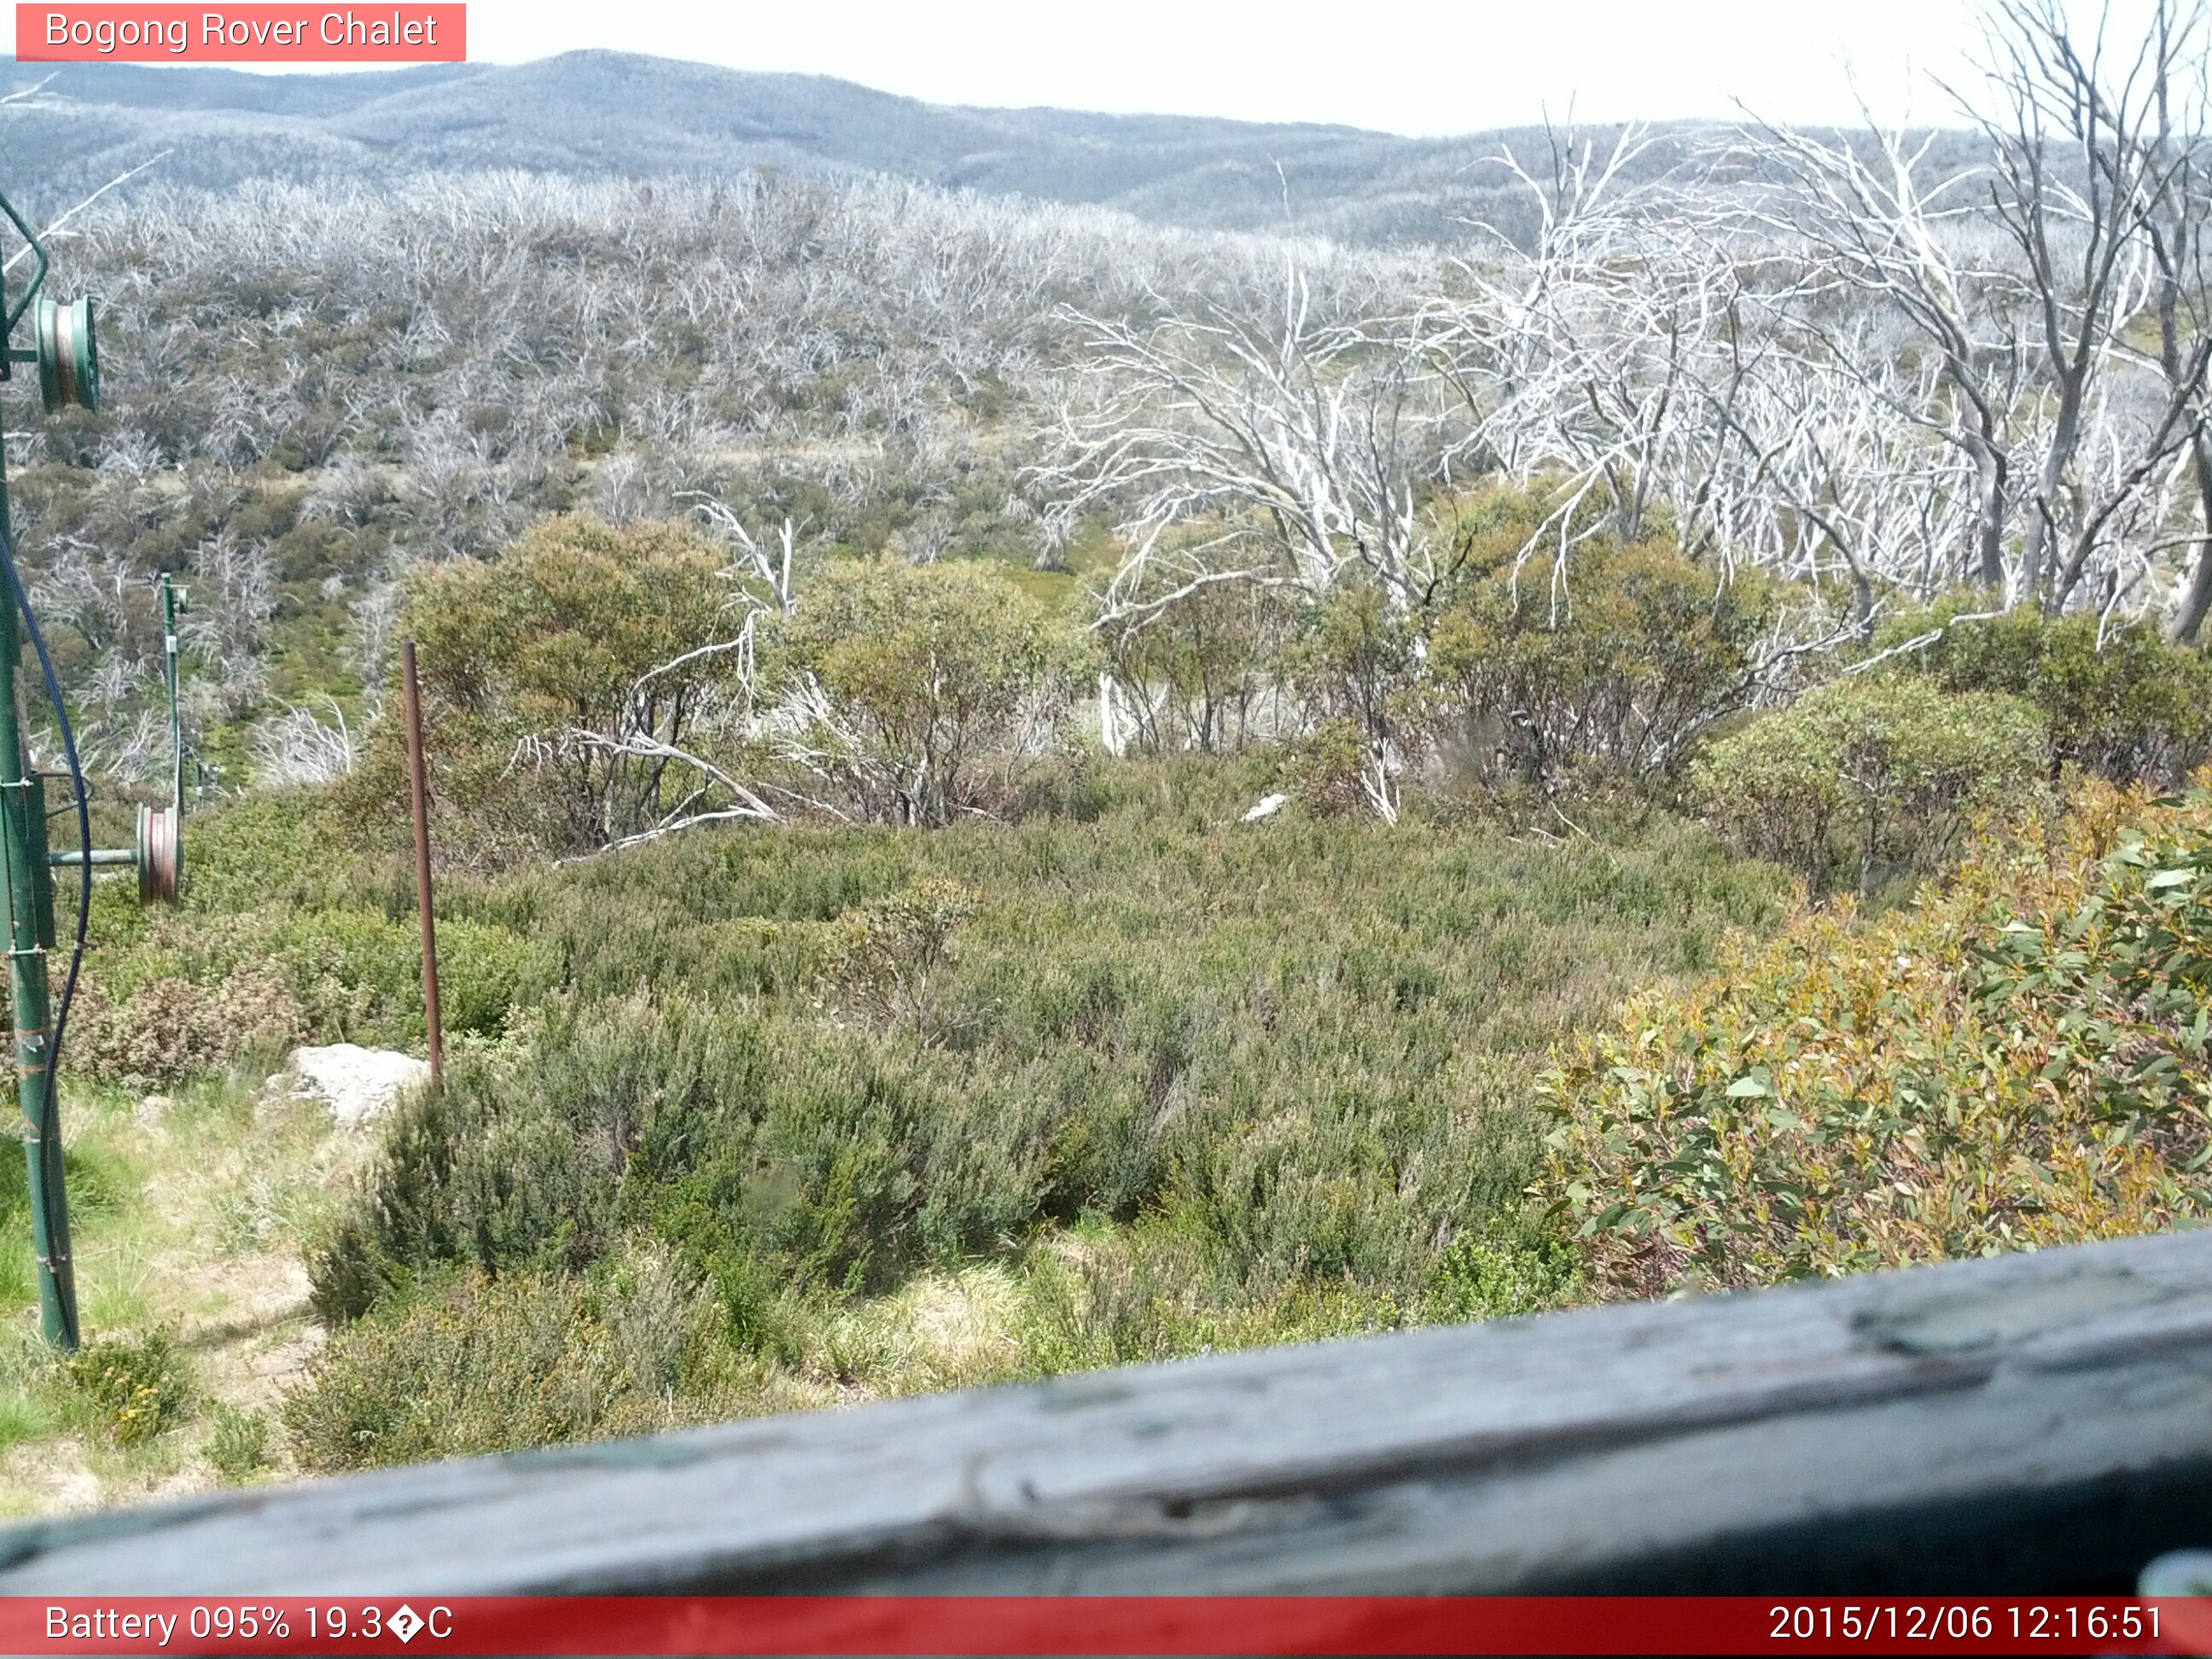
238, 1444
1109, 1036
1614, 658
2119, 699
1097, 1298
1357, 666
1498, 1275
197, 990
923, 672
173, 1028
743, 1135
887, 954
554, 637
531, 1358
1323, 766
1879, 774
2020, 1060
1103, 1299
1203, 664
275, 847
137, 1386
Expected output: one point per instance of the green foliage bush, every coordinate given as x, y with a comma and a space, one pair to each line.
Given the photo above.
1205, 660
1870, 775
238, 1443
137, 1386
1099, 1297
1356, 664
1106, 1299
1323, 766
1616, 658
173, 1028
924, 671
556, 636
1599, 659
2119, 699
2020, 1060
1501, 1274
887, 953
476, 1364
285, 847
198, 990
288, 932
743, 1134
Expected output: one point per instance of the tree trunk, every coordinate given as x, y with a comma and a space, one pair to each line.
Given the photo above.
1988, 514
2197, 596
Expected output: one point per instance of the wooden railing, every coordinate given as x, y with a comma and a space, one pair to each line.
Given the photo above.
2036, 1423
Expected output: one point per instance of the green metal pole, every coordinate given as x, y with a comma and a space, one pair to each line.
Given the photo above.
21, 853
176, 718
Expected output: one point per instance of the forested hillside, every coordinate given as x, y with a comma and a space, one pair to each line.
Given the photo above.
1019, 788
603, 113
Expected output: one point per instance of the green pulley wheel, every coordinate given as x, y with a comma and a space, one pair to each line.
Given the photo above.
68, 355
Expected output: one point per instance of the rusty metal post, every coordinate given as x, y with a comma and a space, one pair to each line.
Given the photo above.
415, 772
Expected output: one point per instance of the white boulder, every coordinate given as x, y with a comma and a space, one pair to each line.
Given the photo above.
357, 1084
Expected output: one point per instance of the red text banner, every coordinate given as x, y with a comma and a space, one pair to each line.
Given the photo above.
1148, 1625
242, 34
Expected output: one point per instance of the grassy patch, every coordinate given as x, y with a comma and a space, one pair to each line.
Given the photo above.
189, 1213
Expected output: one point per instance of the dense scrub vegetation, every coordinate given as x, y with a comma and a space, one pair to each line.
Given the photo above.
2021, 1058
1180, 1081
966, 1049
310, 391
1015, 794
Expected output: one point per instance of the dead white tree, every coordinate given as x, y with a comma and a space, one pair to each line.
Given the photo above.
2023, 277
1875, 229
297, 746
1285, 449
2172, 141
1279, 448
2081, 172
1570, 347
770, 569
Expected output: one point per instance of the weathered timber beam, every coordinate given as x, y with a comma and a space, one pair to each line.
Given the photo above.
2031, 1423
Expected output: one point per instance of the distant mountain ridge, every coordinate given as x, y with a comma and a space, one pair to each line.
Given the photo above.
617, 112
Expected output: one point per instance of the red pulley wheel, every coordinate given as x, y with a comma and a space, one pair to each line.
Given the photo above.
160, 855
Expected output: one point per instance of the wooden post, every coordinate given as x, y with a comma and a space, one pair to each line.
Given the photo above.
422, 790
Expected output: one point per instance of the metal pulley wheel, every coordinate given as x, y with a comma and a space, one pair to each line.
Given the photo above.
160, 855
69, 354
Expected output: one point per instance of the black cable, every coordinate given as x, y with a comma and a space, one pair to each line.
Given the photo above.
50, 1126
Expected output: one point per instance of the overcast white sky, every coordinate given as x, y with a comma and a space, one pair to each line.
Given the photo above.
1412, 66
